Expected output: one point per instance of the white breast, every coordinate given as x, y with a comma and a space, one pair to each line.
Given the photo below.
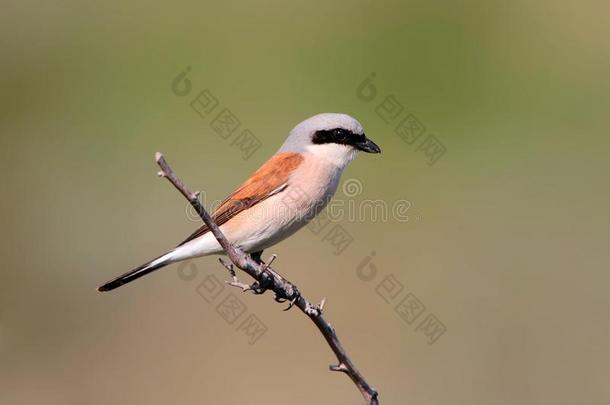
310, 188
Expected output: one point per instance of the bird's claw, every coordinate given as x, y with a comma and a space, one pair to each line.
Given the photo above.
257, 288
290, 304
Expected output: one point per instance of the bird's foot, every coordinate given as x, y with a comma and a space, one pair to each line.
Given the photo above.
279, 299
256, 256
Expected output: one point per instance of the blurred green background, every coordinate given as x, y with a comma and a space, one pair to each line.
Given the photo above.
506, 245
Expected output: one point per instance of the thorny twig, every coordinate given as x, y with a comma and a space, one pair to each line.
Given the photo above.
267, 278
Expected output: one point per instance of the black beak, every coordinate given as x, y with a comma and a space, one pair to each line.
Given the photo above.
368, 146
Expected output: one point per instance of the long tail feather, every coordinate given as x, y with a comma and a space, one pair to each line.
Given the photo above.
136, 273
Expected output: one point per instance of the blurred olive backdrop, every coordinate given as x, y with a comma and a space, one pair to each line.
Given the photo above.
506, 243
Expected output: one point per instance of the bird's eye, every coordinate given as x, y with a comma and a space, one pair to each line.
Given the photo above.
340, 134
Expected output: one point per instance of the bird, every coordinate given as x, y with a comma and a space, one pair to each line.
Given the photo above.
282, 196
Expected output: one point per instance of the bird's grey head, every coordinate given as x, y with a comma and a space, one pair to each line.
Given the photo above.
332, 136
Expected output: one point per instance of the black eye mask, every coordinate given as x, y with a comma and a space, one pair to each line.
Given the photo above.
342, 136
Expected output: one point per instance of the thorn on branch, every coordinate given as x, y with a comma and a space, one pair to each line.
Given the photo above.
236, 283
339, 367
271, 260
254, 287
315, 310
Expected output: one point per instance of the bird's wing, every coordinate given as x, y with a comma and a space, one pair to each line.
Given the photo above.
269, 180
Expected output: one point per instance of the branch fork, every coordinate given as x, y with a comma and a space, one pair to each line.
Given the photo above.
268, 279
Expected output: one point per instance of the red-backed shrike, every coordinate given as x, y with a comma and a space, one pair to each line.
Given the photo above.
292, 187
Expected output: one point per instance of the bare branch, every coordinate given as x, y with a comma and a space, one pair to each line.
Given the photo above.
267, 278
